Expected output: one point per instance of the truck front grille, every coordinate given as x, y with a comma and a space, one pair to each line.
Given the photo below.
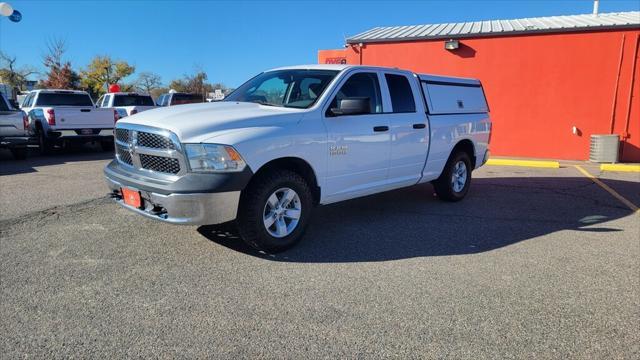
122, 135
146, 150
160, 164
123, 155
155, 141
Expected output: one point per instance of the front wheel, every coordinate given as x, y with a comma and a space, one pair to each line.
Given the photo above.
453, 183
274, 211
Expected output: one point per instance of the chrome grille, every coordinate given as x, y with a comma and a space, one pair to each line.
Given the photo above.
122, 135
154, 141
160, 164
123, 155
150, 149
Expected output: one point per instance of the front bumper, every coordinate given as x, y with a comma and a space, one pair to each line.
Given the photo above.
190, 199
183, 209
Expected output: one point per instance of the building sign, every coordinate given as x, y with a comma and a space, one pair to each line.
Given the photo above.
335, 60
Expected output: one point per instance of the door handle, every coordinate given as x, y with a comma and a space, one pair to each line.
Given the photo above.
419, 126
380, 128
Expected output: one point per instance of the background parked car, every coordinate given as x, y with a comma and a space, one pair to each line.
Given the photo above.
177, 98
57, 116
14, 129
126, 103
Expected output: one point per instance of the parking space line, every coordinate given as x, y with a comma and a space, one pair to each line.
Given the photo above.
620, 167
606, 187
525, 163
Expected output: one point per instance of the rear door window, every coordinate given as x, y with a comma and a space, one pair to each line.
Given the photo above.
132, 100
401, 95
64, 99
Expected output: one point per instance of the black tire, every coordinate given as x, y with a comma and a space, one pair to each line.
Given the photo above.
253, 202
444, 186
46, 146
19, 153
107, 145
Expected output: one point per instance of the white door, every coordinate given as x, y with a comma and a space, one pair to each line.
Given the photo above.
359, 144
409, 129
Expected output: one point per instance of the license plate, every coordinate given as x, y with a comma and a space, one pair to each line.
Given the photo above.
86, 131
131, 197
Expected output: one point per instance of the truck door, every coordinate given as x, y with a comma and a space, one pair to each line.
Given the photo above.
409, 129
359, 143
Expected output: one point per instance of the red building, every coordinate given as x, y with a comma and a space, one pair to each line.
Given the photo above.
551, 82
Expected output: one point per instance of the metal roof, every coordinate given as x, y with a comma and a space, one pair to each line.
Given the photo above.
588, 22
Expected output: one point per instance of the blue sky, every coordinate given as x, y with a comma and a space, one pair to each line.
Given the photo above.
233, 41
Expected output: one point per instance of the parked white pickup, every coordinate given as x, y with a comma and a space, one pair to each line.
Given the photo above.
56, 116
126, 103
294, 137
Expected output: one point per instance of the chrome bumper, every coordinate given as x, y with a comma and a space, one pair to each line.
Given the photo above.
183, 209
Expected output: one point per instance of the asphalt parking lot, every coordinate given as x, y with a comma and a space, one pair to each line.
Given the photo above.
533, 263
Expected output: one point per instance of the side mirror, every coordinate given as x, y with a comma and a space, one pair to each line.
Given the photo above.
352, 106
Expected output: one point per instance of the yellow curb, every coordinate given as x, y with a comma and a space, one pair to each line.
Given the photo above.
620, 167
526, 163
613, 193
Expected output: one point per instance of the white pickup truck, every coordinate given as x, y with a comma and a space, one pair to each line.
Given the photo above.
14, 129
292, 138
126, 103
56, 116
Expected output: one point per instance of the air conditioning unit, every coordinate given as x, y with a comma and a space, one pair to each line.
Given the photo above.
604, 148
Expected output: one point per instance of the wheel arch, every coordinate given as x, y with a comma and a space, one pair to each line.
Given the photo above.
296, 164
466, 146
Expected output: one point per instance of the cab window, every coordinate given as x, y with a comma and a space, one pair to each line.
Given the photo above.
361, 85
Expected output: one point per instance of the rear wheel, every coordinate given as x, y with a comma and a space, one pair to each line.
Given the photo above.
274, 211
45, 144
453, 183
19, 153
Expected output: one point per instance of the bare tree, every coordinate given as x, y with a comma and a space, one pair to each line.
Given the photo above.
148, 81
12, 74
60, 75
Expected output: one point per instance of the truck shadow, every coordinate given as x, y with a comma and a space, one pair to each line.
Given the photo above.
412, 222
86, 152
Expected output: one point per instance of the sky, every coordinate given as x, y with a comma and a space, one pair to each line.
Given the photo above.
234, 40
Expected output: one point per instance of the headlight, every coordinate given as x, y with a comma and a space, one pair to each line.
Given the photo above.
213, 158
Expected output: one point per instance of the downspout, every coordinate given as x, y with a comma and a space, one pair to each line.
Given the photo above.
615, 91
360, 47
625, 135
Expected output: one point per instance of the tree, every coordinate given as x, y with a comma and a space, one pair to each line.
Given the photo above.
148, 81
60, 75
13, 75
195, 84
104, 70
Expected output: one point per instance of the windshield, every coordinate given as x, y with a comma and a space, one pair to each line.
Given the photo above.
285, 88
132, 100
64, 99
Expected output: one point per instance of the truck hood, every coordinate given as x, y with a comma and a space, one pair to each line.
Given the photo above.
196, 123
